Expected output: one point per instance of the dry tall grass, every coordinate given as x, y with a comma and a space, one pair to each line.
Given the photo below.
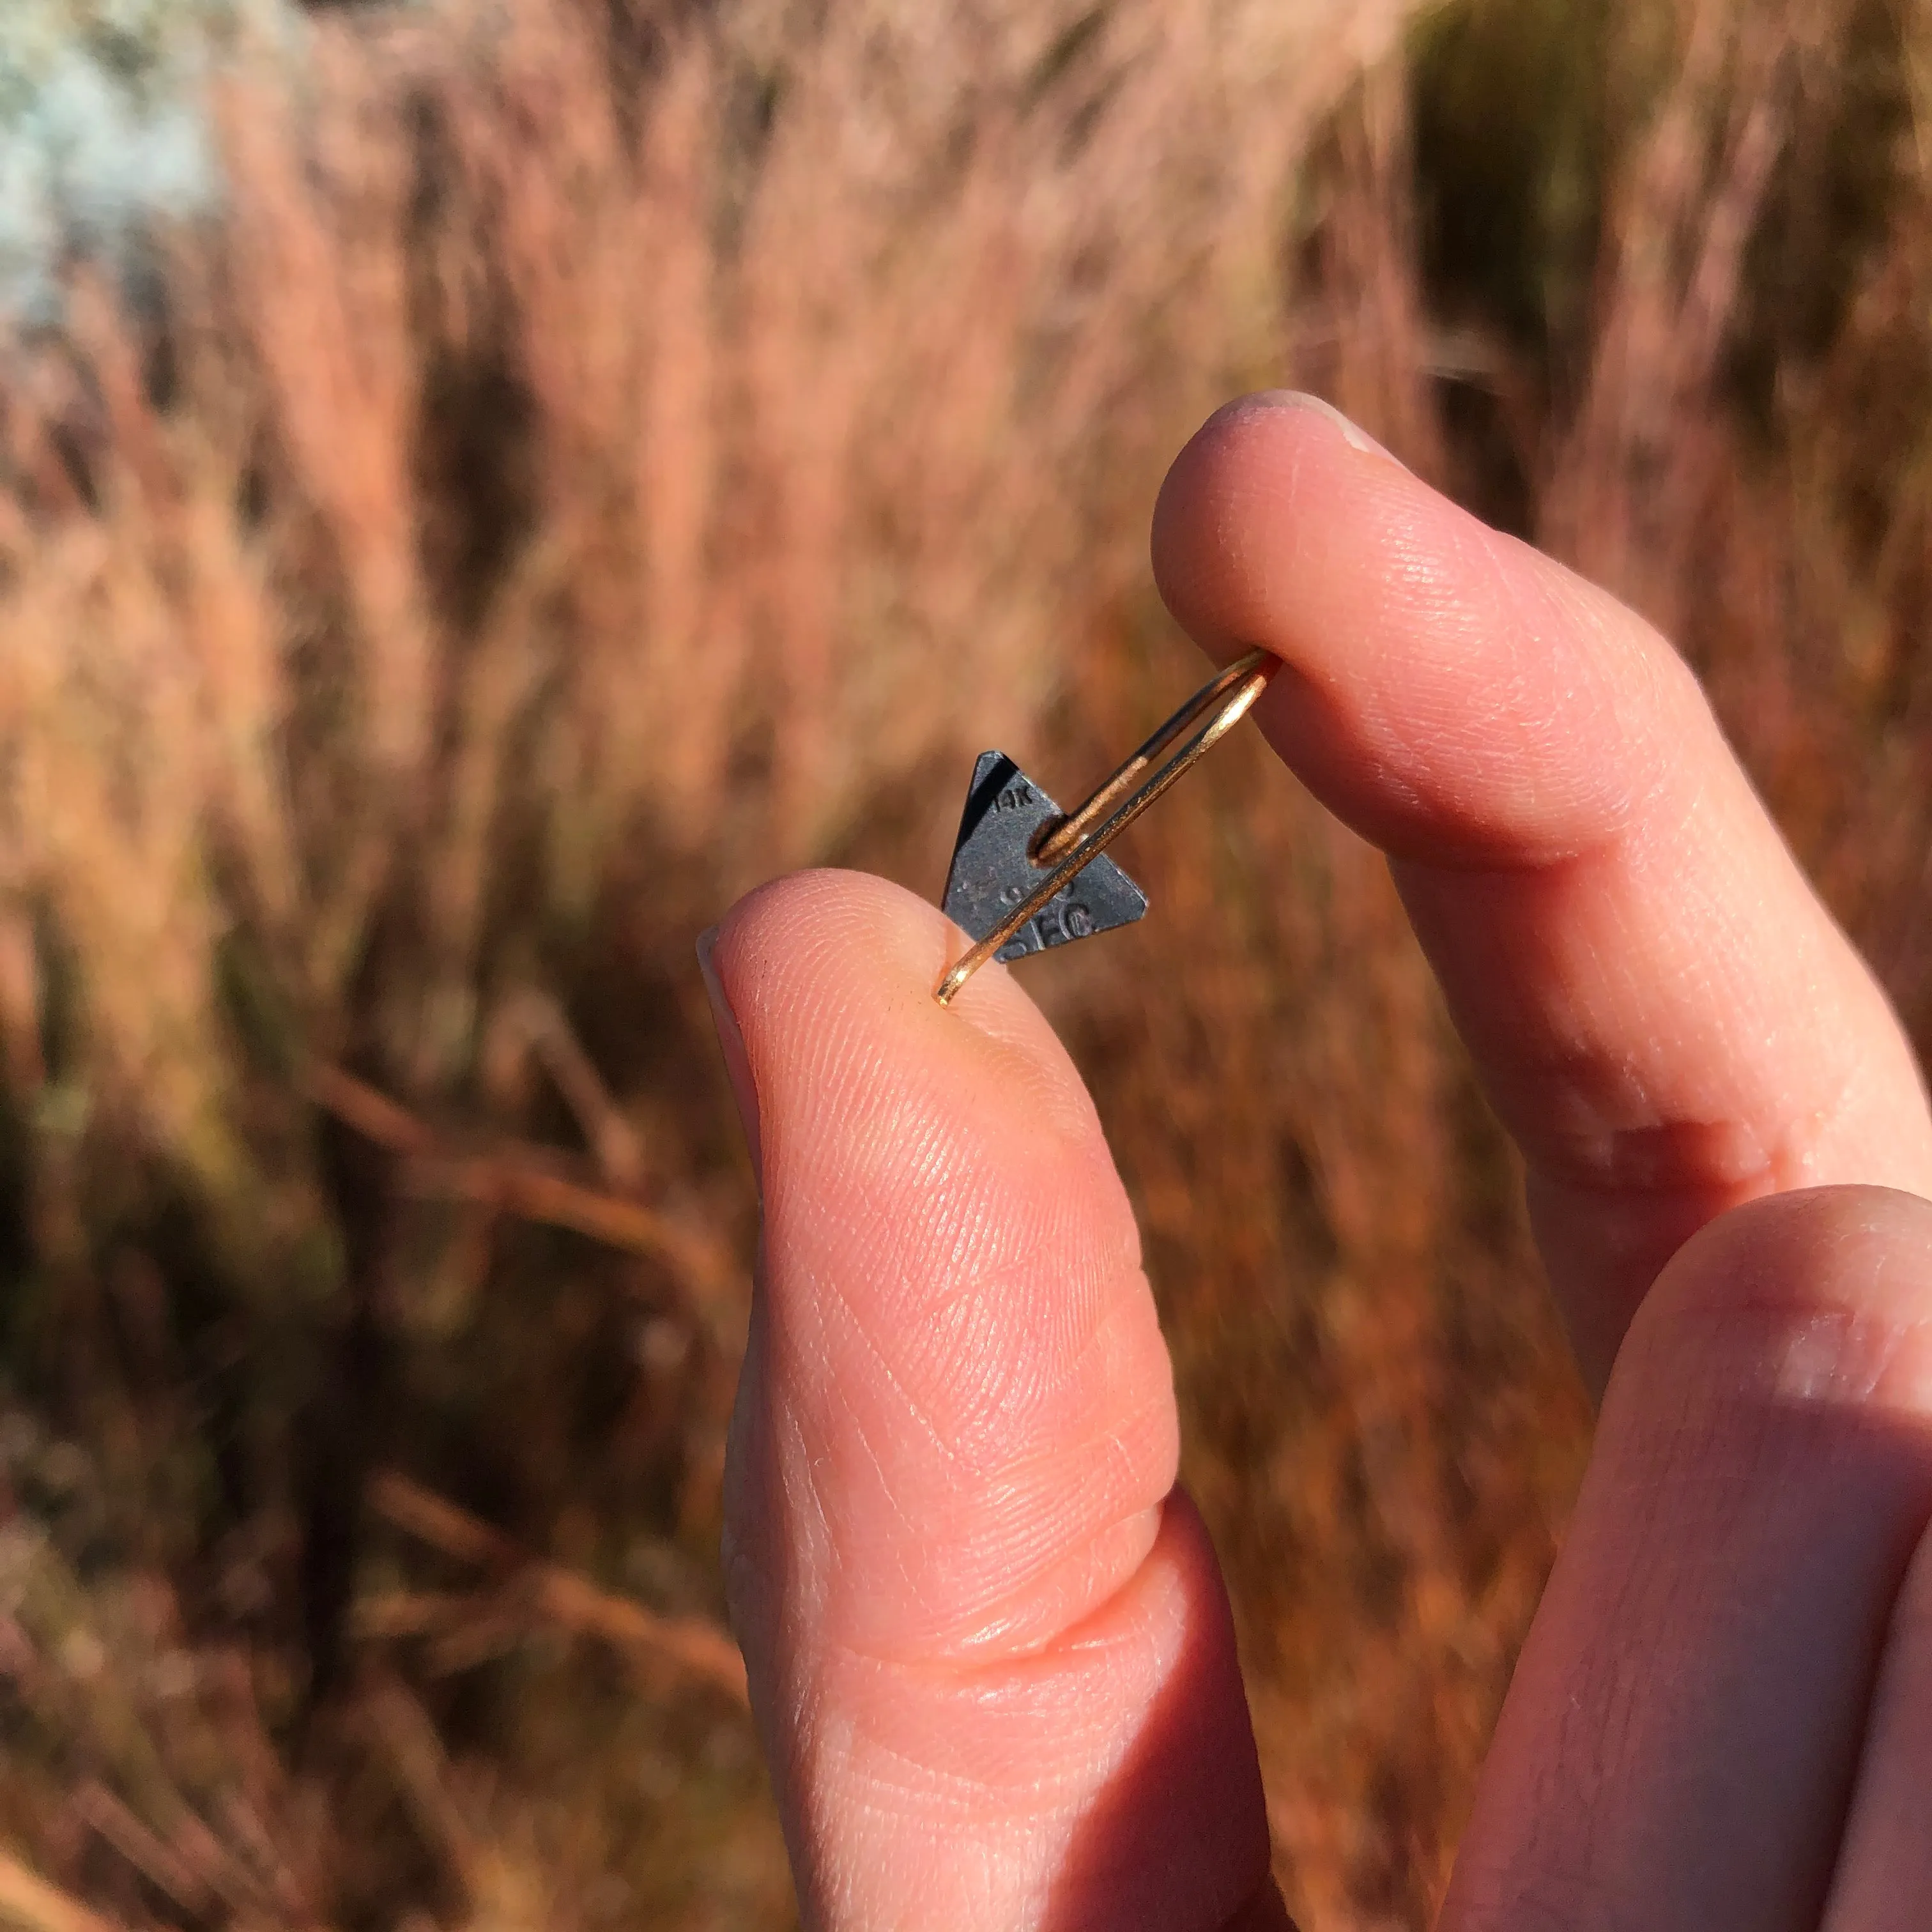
603, 455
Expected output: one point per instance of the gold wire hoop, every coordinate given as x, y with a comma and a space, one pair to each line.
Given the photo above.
1068, 845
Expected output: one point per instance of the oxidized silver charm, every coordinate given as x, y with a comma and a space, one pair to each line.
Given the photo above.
1024, 878
993, 870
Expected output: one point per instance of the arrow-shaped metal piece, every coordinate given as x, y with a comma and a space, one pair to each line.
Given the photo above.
1025, 877
994, 869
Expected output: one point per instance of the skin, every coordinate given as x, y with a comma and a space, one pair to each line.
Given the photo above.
989, 1647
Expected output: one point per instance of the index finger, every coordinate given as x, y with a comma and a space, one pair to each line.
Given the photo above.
1662, 1013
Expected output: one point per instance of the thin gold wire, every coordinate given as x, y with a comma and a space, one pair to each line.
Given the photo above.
1066, 846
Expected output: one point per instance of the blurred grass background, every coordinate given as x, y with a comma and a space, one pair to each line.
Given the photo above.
560, 461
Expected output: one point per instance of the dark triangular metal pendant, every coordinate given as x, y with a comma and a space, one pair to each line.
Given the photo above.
992, 871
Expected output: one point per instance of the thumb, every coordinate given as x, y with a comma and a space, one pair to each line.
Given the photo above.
988, 1647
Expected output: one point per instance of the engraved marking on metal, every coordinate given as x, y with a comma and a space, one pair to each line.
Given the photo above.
993, 869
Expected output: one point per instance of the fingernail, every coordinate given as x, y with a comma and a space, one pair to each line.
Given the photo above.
1352, 434
731, 1044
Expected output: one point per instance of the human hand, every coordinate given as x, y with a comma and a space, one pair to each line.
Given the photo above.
989, 1648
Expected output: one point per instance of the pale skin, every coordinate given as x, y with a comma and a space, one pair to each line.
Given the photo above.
990, 1651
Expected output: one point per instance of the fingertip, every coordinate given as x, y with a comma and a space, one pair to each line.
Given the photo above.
1781, 1265
814, 937
825, 967
1790, 1235
1441, 680
1216, 560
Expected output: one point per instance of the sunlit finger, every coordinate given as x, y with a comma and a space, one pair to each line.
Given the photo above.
1662, 1012
1681, 1736
988, 1643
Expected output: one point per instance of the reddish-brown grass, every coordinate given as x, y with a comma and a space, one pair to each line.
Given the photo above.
595, 461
